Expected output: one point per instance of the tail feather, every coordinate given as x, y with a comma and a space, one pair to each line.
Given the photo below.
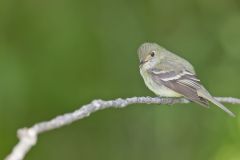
214, 101
207, 96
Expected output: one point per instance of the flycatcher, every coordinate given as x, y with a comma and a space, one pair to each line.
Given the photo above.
169, 75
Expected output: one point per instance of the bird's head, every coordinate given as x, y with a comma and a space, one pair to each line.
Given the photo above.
149, 55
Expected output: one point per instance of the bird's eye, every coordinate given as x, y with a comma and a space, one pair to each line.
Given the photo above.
152, 54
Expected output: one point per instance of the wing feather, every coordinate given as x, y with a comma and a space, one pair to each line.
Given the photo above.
185, 83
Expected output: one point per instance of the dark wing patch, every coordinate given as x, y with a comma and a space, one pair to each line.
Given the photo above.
184, 83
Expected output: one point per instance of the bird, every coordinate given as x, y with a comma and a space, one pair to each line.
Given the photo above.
169, 75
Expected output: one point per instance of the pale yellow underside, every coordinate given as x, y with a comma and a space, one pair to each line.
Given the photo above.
159, 90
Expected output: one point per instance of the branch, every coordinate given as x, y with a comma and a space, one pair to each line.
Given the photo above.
28, 136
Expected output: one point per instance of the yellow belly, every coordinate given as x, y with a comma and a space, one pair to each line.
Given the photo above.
158, 89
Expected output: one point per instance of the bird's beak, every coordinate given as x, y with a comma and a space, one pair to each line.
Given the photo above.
142, 63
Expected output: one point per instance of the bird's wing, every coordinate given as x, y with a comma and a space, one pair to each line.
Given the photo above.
182, 82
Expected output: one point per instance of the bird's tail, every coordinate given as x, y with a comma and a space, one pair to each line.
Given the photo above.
203, 93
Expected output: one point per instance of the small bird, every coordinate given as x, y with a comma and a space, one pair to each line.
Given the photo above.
169, 75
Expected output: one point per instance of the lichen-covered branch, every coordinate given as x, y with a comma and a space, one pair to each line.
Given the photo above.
28, 136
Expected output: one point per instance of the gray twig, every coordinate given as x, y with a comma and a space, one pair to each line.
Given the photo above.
28, 136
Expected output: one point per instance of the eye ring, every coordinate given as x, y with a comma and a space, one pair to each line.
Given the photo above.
152, 54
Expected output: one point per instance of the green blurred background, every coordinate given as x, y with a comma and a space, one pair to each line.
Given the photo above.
56, 55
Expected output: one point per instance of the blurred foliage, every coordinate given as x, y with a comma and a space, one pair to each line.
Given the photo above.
58, 55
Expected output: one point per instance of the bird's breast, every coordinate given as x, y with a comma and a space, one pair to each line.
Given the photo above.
157, 88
